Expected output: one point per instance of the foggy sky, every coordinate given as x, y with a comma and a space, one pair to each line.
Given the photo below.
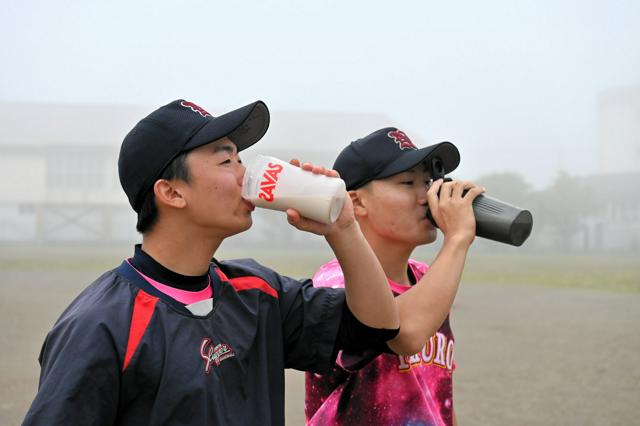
512, 84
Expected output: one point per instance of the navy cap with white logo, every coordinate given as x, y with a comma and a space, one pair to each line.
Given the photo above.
387, 152
178, 127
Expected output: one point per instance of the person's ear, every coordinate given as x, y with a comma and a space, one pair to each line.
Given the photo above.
359, 203
169, 194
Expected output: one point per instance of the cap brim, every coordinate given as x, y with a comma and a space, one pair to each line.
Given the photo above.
244, 126
445, 151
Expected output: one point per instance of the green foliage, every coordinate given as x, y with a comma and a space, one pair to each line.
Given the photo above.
559, 210
563, 207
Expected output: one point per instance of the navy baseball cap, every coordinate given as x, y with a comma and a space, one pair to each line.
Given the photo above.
178, 127
387, 152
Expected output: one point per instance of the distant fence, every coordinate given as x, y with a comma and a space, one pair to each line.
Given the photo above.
87, 223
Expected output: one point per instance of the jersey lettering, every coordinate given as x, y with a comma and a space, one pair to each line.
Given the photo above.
403, 366
269, 183
414, 359
439, 359
428, 351
438, 351
450, 355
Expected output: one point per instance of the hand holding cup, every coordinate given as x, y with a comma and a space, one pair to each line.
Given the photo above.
312, 196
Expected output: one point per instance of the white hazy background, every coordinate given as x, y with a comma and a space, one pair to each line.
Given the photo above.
512, 84
517, 86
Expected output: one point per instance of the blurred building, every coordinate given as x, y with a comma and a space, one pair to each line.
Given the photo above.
618, 131
57, 172
614, 224
59, 178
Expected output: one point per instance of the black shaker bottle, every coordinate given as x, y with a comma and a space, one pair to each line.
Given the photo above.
495, 219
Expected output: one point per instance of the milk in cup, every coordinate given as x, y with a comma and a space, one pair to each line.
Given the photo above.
275, 184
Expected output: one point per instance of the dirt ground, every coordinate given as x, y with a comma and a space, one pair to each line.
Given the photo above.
525, 355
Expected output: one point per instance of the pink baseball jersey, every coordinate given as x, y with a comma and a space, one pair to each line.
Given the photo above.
391, 389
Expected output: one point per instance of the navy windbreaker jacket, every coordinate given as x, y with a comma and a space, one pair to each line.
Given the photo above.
124, 353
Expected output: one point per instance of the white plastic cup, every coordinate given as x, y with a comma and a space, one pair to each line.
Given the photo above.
275, 184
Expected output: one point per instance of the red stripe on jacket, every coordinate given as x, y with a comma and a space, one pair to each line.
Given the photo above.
143, 308
249, 283
221, 274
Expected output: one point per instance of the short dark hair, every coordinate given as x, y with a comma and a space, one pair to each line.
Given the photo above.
148, 215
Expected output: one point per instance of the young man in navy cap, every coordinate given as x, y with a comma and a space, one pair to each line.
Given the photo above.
392, 184
174, 337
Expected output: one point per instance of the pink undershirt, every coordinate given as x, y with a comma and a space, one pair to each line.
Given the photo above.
182, 296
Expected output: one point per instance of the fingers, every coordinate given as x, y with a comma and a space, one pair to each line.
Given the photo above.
446, 191
309, 167
432, 198
460, 187
319, 170
434, 188
432, 193
474, 192
440, 194
293, 217
304, 224
298, 221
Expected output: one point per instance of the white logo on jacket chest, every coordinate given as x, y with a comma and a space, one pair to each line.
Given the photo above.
214, 354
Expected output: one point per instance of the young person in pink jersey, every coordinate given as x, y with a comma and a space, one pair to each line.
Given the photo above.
391, 183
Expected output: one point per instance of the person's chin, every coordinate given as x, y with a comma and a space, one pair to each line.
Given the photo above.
247, 223
239, 227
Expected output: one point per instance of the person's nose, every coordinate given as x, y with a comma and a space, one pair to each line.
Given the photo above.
241, 171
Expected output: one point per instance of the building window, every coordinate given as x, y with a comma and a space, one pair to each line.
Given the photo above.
75, 168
